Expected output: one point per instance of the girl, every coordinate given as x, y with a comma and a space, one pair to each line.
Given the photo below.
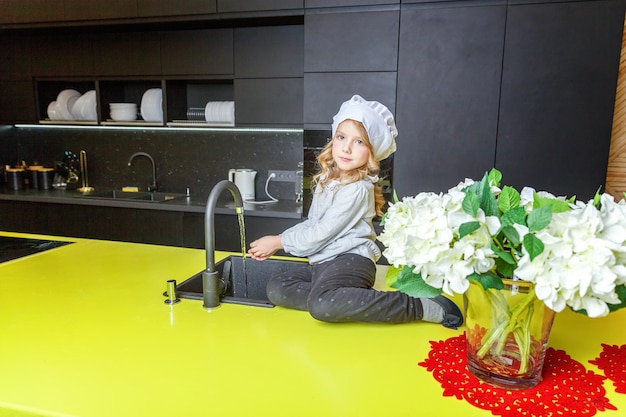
338, 237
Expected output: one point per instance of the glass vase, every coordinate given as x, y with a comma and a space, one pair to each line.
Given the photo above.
507, 334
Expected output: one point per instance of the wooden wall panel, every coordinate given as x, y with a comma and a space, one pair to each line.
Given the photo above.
616, 171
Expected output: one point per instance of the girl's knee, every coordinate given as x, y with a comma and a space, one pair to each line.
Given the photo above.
325, 309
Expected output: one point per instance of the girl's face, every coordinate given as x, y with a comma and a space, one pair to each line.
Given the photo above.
350, 151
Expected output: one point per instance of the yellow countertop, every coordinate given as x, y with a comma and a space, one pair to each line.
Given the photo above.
85, 332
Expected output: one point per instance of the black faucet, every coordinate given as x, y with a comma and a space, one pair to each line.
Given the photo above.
153, 186
210, 277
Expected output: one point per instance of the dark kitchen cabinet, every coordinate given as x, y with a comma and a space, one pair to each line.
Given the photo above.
448, 95
226, 227
324, 93
185, 95
110, 223
351, 41
17, 104
54, 219
134, 225
346, 53
127, 91
97, 10
558, 90
269, 52
226, 6
48, 91
311, 4
26, 11
268, 101
197, 52
16, 62
59, 55
148, 8
127, 53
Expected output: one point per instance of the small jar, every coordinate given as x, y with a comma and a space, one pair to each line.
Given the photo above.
33, 182
45, 176
15, 179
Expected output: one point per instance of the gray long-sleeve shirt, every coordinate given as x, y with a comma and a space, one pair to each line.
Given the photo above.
339, 221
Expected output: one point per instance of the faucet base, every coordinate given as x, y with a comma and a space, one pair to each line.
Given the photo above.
210, 289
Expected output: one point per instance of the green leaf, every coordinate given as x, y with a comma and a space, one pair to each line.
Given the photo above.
621, 293
392, 275
533, 245
509, 199
495, 177
395, 196
467, 228
596, 199
539, 218
470, 203
504, 268
412, 284
486, 198
487, 280
558, 206
516, 215
511, 235
504, 255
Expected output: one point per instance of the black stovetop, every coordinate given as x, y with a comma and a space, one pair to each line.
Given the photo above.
16, 247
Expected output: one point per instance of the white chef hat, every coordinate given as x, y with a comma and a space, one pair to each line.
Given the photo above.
378, 121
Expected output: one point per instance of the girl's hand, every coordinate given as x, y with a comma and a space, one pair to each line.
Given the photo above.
264, 247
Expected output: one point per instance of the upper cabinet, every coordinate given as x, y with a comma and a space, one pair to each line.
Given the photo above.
225, 6
310, 4
27, 11
348, 51
448, 95
127, 53
197, 52
149, 8
559, 78
54, 55
97, 10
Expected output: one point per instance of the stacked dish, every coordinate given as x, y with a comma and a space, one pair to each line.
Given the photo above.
123, 111
61, 108
152, 105
222, 112
85, 107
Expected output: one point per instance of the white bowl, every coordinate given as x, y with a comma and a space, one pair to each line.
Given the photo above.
53, 114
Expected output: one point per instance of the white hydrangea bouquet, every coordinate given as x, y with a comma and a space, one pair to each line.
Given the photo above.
573, 252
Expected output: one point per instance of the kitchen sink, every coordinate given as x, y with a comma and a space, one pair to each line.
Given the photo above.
248, 288
156, 197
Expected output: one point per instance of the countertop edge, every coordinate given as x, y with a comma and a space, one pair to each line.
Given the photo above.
193, 204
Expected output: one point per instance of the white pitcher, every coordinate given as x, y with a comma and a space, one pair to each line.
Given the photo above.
244, 180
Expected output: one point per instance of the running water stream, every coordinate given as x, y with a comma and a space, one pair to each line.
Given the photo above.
242, 237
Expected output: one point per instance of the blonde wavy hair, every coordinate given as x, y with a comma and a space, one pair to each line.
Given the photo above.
328, 170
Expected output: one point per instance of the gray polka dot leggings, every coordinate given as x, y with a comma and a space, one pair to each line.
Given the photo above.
341, 290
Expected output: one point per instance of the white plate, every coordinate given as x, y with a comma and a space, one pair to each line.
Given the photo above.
220, 112
152, 105
63, 103
89, 109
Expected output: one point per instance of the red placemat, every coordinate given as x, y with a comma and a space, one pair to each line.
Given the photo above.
567, 388
612, 361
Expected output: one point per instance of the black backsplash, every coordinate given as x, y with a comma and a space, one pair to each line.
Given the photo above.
197, 159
